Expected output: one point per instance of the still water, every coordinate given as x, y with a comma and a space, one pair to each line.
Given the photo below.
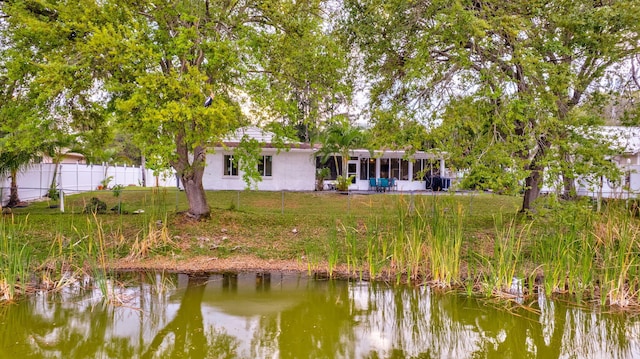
277, 315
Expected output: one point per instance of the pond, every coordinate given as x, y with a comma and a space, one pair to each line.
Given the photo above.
283, 315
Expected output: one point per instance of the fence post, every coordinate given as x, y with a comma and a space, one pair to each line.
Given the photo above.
282, 206
62, 201
61, 192
238, 207
39, 182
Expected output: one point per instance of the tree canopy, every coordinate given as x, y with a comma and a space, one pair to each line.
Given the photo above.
509, 89
152, 65
500, 77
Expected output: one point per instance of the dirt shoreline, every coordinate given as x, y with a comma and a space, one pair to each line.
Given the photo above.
217, 265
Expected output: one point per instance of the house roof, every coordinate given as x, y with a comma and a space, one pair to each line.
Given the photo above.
397, 154
265, 138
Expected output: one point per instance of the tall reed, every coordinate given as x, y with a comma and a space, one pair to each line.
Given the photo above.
353, 253
334, 252
89, 253
444, 243
618, 239
506, 260
154, 237
562, 247
14, 258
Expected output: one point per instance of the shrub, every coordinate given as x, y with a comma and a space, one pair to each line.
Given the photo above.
95, 205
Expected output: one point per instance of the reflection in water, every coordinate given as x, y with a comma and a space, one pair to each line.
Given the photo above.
273, 315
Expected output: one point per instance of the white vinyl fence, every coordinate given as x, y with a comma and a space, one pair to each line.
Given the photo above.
34, 181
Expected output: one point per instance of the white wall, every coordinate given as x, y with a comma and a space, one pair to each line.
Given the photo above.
292, 170
596, 187
34, 181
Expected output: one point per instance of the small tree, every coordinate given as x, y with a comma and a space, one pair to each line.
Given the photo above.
340, 138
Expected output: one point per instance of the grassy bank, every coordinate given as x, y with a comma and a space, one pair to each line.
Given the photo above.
472, 242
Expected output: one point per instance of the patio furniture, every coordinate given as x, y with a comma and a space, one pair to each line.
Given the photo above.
383, 184
373, 184
393, 184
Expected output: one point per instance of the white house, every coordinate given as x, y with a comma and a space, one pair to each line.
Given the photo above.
291, 169
626, 140
294, 168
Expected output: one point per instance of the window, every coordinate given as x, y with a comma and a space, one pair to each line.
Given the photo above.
384, 167
404, 170
264, 166
367, 168
230, 166
418, 170
399, 169
425, 168
331, 164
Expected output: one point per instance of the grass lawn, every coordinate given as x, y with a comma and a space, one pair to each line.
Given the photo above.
271, 225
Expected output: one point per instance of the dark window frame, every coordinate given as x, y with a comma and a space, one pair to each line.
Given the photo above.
229, 166
265, 166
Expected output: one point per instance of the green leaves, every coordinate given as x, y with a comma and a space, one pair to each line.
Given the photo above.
522, 65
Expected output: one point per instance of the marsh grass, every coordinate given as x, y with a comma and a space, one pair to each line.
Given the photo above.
504, 267
444, 242
618, 240
334, 252
14, 258
353, 250
155, 238
567, 248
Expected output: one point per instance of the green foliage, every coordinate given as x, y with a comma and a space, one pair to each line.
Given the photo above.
117, 190
321, 175
95, 205
53, 194
495, 178
339, 138
343, 182
105, 182
501, 80
154, 64
247, 155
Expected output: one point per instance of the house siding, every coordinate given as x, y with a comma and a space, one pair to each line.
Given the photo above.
292, 170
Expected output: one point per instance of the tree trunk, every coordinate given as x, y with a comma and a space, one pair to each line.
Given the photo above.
532, 190
568, 183
569, 187
534, 181
196, 196
143, 169
13, 194
191, 177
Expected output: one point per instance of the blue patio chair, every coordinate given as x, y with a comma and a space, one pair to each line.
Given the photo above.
373, 184
384, 184
393, 184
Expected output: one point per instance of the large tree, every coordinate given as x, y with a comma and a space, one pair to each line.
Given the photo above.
533, 62
47, 103
157, 61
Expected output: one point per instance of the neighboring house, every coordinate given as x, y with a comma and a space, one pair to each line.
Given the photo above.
626, 142
294, 167
67, 158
